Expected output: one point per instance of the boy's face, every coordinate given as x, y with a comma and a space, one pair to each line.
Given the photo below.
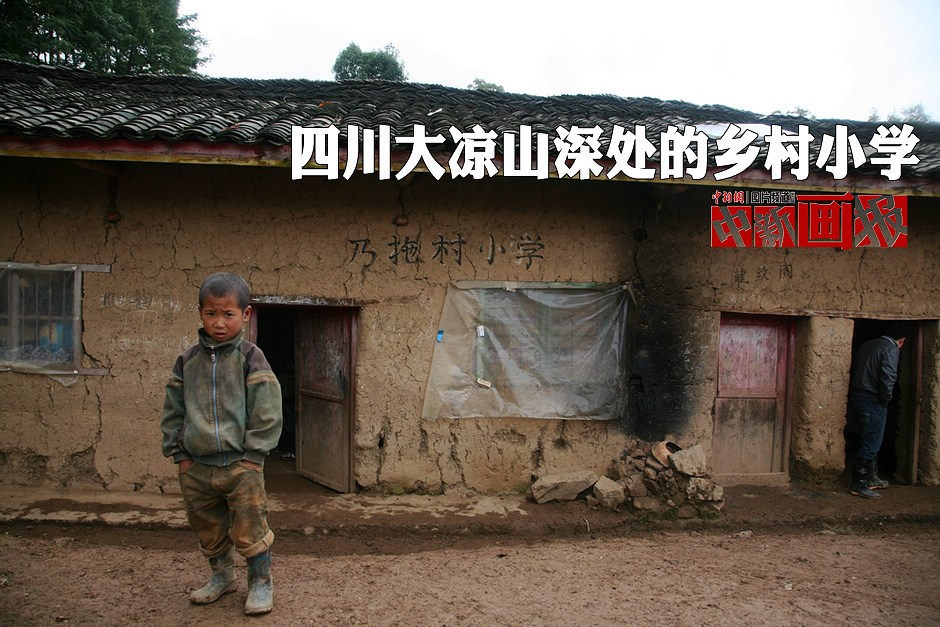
222, 318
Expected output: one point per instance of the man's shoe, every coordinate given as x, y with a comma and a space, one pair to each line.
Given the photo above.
874, 481
861, 475
221, 582
862, 490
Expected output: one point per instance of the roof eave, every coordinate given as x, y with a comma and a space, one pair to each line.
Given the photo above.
147, 151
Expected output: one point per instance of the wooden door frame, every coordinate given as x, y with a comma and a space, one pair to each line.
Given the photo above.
786, 400
353, 334
353, 416
914, 442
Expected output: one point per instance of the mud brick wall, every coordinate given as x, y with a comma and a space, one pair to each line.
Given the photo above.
181, 222
823, 360
928, 453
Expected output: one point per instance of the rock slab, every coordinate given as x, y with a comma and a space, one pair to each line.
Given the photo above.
609, 493
564, 486
690, 461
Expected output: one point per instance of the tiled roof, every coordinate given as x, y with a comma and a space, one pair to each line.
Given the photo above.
41, 101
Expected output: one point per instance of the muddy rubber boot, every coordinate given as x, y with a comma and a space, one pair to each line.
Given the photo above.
260, 584
222, 581
860, 477
874, 481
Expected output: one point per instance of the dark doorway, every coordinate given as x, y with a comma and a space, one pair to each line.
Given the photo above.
275, 336
311, 350
895, 459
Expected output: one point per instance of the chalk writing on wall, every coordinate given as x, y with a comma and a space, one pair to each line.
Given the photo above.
142, 300
761, 273
524, 249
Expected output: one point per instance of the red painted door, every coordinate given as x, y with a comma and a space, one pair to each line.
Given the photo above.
324, 346
750, 406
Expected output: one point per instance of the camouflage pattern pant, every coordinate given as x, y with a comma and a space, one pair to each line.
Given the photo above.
226, 505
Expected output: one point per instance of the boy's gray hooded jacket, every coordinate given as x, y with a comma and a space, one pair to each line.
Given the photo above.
223, 404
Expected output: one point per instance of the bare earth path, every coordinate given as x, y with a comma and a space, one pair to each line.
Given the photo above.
58, 573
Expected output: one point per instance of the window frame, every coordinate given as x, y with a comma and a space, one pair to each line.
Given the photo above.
74, 366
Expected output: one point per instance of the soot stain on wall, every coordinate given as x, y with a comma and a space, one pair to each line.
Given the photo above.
658, 394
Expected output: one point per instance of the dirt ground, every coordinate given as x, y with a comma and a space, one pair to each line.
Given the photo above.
883, 574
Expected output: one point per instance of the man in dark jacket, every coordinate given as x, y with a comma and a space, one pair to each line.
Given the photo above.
874, 373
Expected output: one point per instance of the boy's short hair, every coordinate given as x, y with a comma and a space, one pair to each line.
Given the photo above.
224, 284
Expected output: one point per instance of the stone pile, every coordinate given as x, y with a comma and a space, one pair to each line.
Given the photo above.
665, 478
662, 479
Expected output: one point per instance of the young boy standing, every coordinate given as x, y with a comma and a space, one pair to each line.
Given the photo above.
221, 417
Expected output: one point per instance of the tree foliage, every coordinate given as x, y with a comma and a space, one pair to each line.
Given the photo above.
913, 114
479, 83
353, 63
113, 36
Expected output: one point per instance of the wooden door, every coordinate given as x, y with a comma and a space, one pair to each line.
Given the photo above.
750, 407
324, 345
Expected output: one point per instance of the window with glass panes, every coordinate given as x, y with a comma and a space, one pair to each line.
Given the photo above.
41, 317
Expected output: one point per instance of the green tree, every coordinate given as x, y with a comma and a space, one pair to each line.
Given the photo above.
113, 36
913, 114
353, 63
479, 83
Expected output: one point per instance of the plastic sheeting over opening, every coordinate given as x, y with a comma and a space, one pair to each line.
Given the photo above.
536, 350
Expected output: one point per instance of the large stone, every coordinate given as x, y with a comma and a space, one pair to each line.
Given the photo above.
564, 486
647, 503
609, 493
704, 490
690, 461
635, 485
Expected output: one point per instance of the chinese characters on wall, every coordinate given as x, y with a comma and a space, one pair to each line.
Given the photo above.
397, 250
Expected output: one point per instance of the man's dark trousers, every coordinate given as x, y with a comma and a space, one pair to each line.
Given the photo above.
871, 416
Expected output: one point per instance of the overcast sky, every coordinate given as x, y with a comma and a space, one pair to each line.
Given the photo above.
837, 59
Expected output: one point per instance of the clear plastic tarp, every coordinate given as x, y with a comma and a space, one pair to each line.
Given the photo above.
536, 350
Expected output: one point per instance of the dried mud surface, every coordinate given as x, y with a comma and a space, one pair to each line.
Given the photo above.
881, 574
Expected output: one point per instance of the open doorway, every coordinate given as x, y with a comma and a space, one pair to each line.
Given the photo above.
897, 460
311, 350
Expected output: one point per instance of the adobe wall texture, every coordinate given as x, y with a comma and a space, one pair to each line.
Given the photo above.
180, 223
820, 386
928, 453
